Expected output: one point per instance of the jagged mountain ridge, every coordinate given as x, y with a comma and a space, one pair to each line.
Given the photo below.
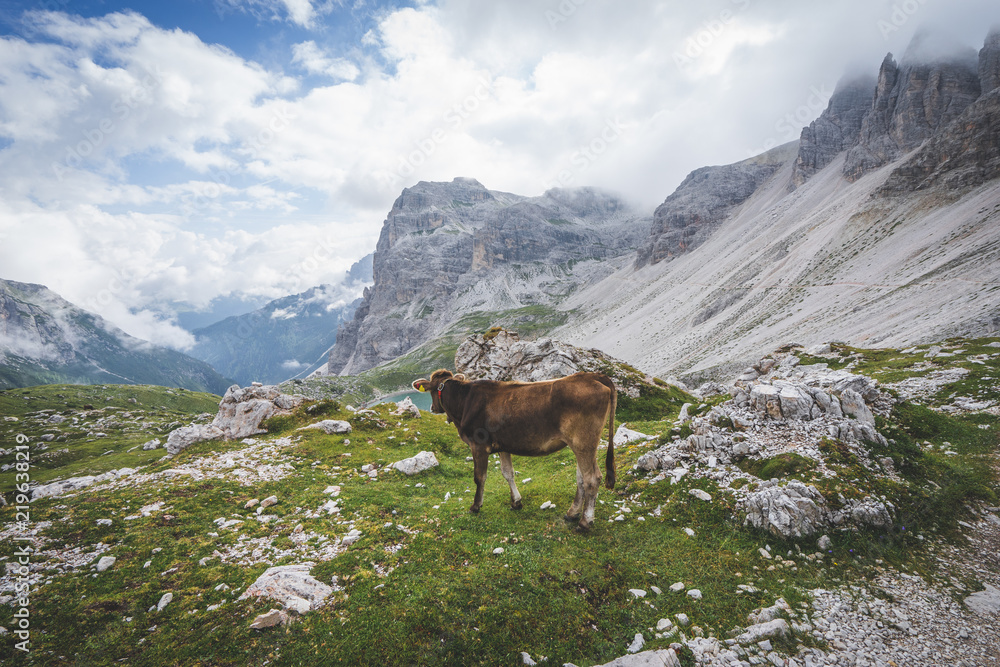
450, 249
890, 236
45, 339
285, 338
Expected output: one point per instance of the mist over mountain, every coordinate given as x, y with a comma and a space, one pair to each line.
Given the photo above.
288, 337
44, 339
878, 226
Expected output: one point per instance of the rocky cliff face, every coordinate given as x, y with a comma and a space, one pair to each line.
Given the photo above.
837, 129
449, 249
913, 100
989, 62
706, 198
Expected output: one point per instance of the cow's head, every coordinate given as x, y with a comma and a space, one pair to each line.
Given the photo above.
435, 385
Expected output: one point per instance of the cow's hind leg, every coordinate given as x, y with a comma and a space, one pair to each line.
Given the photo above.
480, 462
591, 480
507, 468
574, 511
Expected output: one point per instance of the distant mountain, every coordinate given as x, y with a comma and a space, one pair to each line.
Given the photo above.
288, 337
45, 339
450, 250
880, 226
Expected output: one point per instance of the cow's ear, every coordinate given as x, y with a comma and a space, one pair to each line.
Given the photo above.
421, 384
460, 377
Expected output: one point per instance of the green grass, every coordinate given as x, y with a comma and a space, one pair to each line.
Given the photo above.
423, 585
127, 415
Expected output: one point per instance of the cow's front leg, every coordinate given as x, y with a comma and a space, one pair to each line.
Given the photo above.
574, 510
507, 468
480, 462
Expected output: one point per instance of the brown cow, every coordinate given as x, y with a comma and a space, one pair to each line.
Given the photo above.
532, 419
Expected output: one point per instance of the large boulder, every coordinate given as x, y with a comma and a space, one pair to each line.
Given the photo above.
185, 436
292, 586
241, 412
790, 510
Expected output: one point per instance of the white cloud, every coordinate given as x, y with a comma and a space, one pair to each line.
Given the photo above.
141, 166
316, 61
299, 12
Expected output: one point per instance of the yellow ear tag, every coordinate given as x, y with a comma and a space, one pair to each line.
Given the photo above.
421, 388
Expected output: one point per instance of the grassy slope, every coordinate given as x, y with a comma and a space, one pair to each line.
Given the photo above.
440, 596
77, 449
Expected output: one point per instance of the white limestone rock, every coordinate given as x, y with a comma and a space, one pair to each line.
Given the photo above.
419, 463
330, 427
292, 586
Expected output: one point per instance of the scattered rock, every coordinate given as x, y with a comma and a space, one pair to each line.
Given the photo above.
548, 504
406, 407
498, 551
419, 463
624, 435
151, 444
292, 586
105, 563
352, 536
637, 592
269, 501
985, 602
677, 587
825, 543
656, 658
270, 619
682, 619
164, 601
330, 427
694, 593
700, 495
637, 643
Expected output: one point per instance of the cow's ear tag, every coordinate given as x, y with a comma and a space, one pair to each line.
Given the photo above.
421, 388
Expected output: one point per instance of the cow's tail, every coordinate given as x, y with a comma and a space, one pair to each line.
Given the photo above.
609, 460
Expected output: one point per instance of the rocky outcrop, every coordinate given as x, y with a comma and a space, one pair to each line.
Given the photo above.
989, 62
967, 155
706, 198
503, 356
913, 100
837, 128
793, 509
241, 412
444, 242
506, 357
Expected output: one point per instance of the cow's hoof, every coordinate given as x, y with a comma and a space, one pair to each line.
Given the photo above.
516, 506
569, 518
474, 510
583, 527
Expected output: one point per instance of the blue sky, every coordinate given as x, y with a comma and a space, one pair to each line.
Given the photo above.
162, 157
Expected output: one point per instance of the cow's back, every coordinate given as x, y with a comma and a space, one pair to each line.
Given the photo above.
537, 418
